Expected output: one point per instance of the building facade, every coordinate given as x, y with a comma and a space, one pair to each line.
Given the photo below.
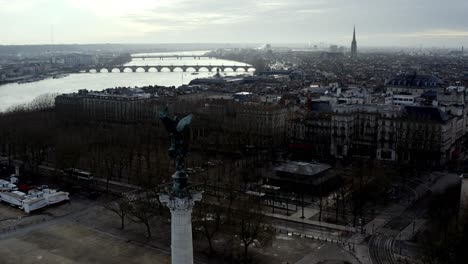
413, 84
227, 125
107, 107
382, 132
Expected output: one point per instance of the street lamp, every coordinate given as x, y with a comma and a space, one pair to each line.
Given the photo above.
302, 201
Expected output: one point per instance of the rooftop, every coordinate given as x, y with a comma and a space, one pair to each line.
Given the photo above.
429, 113
320, 106
303, 168
415, 80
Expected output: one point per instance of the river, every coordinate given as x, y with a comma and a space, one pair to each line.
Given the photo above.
16, 94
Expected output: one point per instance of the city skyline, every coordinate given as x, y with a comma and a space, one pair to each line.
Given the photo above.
313, 131
380, 23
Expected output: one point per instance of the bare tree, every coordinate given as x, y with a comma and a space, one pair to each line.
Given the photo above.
110, 163
143, 209
69, 149
43, 101
251, 226
208, 219
121, 207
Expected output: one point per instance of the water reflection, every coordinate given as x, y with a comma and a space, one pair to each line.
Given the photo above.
14, 94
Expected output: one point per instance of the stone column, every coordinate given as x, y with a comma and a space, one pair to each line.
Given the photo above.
181, 226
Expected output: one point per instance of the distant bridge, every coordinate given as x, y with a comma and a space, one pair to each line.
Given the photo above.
170, 56
171, 68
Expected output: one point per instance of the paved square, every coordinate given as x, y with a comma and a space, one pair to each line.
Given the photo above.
71, 243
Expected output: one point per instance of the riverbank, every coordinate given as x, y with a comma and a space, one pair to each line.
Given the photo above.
12, 93
35, 78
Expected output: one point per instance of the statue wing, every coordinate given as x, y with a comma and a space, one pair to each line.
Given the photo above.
185, 122
163, 113
167, 121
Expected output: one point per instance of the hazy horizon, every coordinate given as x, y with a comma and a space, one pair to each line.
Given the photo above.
378, 23
298, 45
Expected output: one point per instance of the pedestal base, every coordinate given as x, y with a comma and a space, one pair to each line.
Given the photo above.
181, 226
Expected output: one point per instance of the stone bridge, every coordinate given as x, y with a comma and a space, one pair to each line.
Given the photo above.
171, 68
178, 57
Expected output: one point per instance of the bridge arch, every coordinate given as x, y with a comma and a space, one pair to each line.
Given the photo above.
215, 68
139, 69
170, 68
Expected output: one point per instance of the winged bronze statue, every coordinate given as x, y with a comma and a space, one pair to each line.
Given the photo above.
178, 148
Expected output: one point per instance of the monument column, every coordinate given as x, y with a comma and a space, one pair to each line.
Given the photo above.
179, 195
181, 226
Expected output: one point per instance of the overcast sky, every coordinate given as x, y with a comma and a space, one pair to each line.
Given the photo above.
378, 22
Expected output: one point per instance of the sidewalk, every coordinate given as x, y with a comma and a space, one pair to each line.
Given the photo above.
408, 233
329, 252
383, 218
362, 254
296, 218
362, 249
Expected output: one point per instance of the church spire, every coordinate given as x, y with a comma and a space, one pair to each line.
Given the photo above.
354, 44
354, 33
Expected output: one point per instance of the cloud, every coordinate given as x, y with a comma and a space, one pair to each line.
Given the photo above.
114, 8
312, 11
22, 6
215, 15
378, 21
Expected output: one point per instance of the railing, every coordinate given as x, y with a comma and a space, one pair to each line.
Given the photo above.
192, 187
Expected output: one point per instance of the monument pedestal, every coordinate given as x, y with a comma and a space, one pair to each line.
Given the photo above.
181, 225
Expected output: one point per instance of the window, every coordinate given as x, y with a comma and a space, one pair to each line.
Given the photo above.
339, 150
386, 154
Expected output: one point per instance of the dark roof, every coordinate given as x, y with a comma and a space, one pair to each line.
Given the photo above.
302, 173
275, 72
415, 80
199, 81
429, 94
320, 107
302, 168
427, 113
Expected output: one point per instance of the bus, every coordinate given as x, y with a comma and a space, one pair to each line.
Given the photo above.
79, 174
